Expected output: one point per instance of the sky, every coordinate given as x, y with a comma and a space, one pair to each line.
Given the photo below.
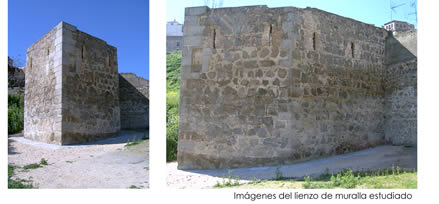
375, 12
123, 24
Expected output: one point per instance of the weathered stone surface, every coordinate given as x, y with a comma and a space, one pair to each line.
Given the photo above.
72, 88
400, 88
307, 84
134, 101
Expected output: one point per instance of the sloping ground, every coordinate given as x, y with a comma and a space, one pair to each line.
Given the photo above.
99, 165
371, 159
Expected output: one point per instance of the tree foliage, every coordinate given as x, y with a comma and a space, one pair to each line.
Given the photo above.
15, 113
173, 64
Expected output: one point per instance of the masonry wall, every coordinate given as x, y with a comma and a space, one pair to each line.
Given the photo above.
268, 86
43, 82
401, 88
134, 102
90, 102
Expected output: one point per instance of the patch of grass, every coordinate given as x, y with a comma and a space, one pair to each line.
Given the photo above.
17, 183
307, 183
32, 166
134, 187
229, 182
347, 179
43, 161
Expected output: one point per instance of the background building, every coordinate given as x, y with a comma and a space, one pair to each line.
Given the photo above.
174, 36
398, 26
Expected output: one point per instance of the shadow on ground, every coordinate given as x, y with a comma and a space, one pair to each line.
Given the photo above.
382, 157
11, 149
126, 136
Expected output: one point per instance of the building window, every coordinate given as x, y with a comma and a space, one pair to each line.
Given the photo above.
178, 44
83, 52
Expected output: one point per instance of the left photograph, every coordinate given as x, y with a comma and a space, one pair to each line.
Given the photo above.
78, 94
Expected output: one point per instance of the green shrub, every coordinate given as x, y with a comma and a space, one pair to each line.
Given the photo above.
173, 64
15, 113
172, 100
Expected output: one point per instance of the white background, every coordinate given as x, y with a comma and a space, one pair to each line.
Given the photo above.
428, 125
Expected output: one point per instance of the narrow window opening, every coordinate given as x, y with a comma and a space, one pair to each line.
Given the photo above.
352, 50
110, 61
314, 41
30, 62
214, 38
48, 51
83, 52
270, 32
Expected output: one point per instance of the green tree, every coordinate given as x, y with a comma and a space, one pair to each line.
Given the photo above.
15, 113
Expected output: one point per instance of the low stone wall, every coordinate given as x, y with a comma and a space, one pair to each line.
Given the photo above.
401, 89
134, 102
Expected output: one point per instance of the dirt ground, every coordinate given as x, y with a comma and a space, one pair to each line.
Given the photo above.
104, 164
370, 159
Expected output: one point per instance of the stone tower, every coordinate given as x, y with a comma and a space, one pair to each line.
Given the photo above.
71, 89
270, 86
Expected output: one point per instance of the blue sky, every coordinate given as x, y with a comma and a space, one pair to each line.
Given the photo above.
371, 11
123, 24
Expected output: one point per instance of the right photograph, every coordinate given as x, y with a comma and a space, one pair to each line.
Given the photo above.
264, 94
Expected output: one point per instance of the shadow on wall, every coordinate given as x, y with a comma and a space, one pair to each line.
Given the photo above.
134, 102
400, 88
400, 47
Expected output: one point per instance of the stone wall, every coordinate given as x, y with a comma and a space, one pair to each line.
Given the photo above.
134, 102
90, 88
269, 86
401, 88
72, 88
43, 82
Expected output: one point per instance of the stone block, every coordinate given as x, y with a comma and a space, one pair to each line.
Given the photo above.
196, 11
